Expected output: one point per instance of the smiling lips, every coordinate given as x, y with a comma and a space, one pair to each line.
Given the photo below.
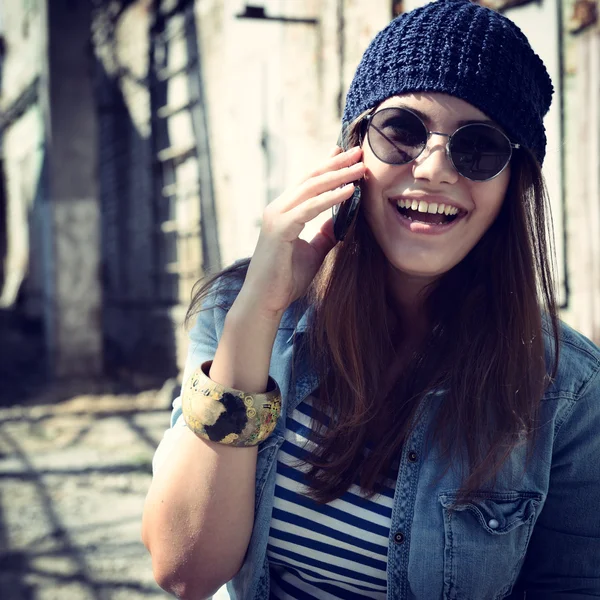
431, 213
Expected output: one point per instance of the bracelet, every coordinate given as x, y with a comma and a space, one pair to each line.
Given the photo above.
227, 416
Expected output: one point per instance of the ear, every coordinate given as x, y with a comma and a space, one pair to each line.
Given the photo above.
362, 129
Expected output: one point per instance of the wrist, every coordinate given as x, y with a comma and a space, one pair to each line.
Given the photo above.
247, 308
245, 347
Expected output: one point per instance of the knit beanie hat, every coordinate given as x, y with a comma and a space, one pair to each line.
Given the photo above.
465, 50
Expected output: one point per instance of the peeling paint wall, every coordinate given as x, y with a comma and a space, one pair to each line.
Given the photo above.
23, 138
49, 154
582, 173
274, 90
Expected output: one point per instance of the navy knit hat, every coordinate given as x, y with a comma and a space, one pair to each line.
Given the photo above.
465, 50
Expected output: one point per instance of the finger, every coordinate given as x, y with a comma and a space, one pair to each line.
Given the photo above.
324, 241
312, 208
323, 183
343, 158
334, 173
335, 150
339, 160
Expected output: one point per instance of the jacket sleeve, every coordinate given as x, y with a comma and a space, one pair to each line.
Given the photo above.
563, 558
203, 341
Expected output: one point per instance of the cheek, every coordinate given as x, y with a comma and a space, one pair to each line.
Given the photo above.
378, 174
382, 180
489, 197
374, 188
371, 189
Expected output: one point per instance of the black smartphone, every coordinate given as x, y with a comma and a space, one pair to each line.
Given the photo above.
345, 212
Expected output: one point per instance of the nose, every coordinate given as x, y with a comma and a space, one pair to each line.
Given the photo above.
433, 164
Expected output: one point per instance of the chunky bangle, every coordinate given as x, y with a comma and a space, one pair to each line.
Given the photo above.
227, 416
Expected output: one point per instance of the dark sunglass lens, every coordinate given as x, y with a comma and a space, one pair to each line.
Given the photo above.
479, 152
396, 136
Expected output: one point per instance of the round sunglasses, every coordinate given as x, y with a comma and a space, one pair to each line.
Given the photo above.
477, 151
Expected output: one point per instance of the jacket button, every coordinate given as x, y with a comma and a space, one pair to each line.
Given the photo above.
399, 537
412, 456
493, 524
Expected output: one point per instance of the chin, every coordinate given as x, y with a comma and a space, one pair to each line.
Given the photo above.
421, 272
422, 268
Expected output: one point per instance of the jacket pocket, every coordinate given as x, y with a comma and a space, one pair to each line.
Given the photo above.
485, 542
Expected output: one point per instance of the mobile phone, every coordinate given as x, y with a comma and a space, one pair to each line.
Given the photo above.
345, 212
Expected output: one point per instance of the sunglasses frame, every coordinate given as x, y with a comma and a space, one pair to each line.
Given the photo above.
368, 120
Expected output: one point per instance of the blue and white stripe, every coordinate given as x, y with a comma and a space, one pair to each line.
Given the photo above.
332, 551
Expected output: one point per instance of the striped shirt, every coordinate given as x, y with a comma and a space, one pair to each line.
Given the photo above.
324, 551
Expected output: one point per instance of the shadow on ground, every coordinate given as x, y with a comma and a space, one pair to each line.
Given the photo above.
75, 465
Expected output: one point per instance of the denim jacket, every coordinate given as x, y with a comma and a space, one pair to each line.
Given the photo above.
536, 531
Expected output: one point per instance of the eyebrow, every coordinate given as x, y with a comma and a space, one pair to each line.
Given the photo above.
427, 119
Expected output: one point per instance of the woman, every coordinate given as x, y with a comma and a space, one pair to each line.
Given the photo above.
438, 435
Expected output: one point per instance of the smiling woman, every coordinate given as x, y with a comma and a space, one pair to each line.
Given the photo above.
431, 427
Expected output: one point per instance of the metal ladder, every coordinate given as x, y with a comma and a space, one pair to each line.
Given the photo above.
186, 244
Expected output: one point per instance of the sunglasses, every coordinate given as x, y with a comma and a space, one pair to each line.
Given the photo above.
477, 151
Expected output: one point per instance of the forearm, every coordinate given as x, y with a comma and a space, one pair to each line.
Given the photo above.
199, 511
198, 515
244, 353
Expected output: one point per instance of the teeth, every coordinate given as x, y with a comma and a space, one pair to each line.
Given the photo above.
424, 207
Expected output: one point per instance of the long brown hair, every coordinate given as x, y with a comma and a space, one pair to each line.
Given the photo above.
486, 348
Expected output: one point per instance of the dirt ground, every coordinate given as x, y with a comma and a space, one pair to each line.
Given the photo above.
74, 471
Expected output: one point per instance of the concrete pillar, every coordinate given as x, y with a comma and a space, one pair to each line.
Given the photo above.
72, 271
